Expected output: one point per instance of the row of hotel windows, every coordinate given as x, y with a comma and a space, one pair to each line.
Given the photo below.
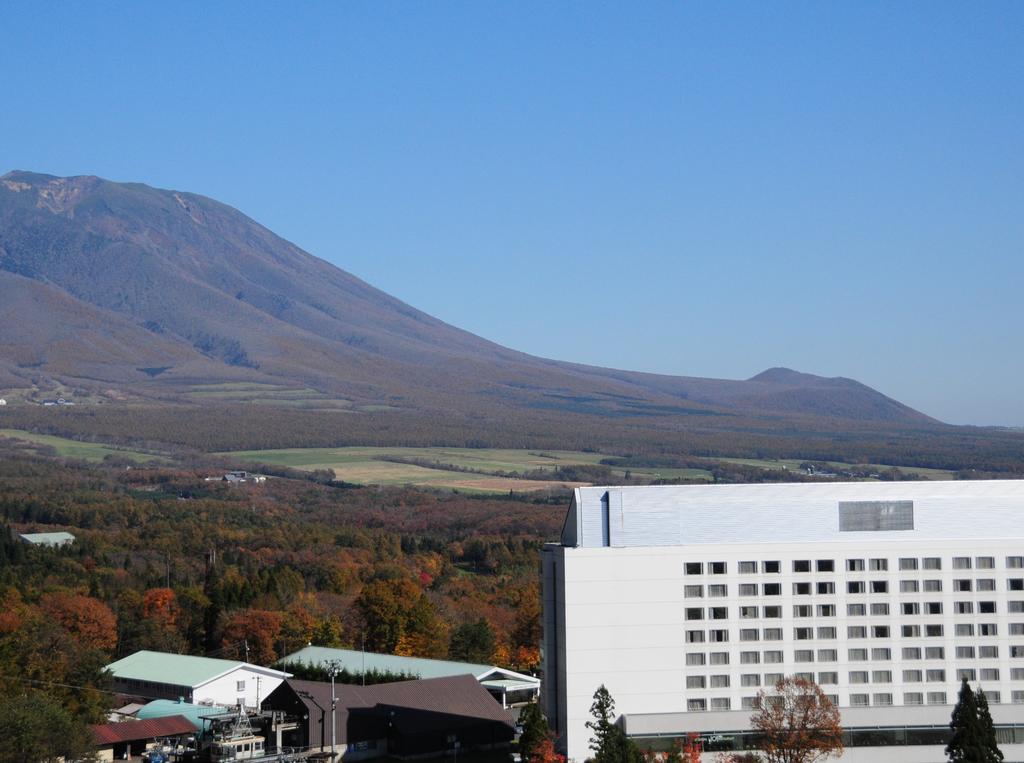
880, 699
936, 630
852, 586
831, 678
879, 654
755, 612
855, 565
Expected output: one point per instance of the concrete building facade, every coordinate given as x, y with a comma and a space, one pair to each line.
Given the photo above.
686, 601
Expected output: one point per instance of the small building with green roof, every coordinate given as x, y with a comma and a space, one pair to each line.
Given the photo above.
50, 540
200, 680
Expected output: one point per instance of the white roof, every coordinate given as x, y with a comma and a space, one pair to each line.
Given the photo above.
676, 515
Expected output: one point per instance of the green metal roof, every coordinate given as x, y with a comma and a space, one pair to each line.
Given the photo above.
48, 539
354, 661
178, 669
161, 708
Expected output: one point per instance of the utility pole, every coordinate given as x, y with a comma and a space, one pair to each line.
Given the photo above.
334, 667
364, 657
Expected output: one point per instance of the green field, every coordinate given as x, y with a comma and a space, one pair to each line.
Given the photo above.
87, 451
365, 465
793, 464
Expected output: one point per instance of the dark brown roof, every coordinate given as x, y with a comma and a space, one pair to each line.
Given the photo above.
451, 695
133, 731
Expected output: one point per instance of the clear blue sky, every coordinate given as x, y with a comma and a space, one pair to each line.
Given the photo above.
689, 188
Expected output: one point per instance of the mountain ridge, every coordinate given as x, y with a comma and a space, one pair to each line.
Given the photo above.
220, 299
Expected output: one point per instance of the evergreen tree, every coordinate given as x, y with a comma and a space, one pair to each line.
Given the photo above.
609, 743
969, 743
992, 752
535, 731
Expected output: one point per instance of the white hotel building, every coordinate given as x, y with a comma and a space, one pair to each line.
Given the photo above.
685, 601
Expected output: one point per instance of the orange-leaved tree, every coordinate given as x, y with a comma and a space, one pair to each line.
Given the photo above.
797, 723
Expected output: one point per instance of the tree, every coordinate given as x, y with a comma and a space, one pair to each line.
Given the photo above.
797, 723
473, 642
973, 739
609, 743
257, 629
535, 730
35, 728
88, 620
545, 753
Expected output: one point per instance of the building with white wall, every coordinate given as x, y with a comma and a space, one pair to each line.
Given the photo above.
201, 680
686, 601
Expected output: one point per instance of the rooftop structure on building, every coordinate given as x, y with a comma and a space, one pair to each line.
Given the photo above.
51, 540
686, 601
507, 686
117, 741
202, 680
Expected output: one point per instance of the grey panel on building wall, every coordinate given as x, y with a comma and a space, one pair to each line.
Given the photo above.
591, 523
859, 516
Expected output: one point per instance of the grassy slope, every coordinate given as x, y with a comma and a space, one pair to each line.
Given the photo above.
87, 451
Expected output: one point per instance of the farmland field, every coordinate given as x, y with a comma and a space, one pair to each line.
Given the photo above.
87, 451
793, 464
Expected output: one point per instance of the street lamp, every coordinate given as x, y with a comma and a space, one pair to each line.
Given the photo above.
334, 666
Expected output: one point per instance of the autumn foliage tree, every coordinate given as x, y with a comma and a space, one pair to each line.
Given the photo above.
797, 723
257, 629
88, 620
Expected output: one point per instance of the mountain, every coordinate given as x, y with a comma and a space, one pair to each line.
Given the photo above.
120, 291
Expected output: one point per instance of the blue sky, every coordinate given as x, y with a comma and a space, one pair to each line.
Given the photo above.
704, 189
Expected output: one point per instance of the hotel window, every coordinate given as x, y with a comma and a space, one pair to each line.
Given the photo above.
933, 608
1017, 697
720, 681
693, 591
880, 631
695, 658
720, 703
694, 568
1015, 562
993, 697
910, 608
963, 607
912, 676
989, 674
239, 685
750, 658
986, 584
913, 698
935, 653
772, 589
803, 634
1015, 606
695, 682
879, 586
932, 586
828, 655
750, 703
856, 631
746, 613
718, 635
964, 629
880, 654
825, 565
909, 586
965, 652
773, 612
936, 698
911, 653
1015, 584
1017, 674
854, 565
988, 629
908, 564
718, 613
880, 608
748, 634
695, 705
859, 700
1017, 651
826, 632
695, 637
986, 607
933, 631
1017, 629
773, 634
827, 679
748, 568
969, 674
773, 656
770, 679
881, 676
750, 679
802, 589
826, 587
931, 563
826, 610
748, 589
801, 610
801, 565
694, 613
881, 699
961, 562
856, 610
718, 590
803, 655
988, 652
718, 568
985, 562
771, 567
855, 586
719, 658
857, 655
878, 565
936, 675
858, 676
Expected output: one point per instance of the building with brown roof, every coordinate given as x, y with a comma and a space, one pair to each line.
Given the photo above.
115, 740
